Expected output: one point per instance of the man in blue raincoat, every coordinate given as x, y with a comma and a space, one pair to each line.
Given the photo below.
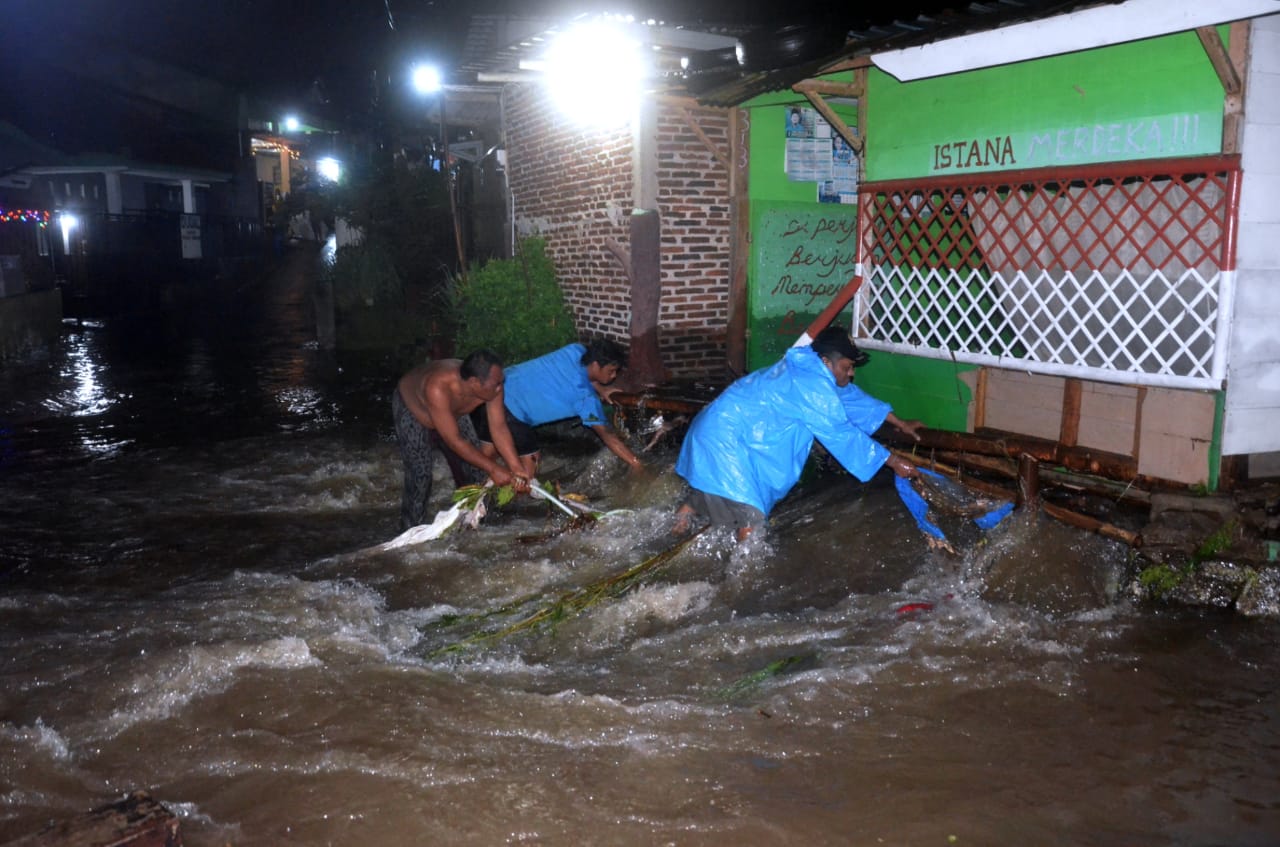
746, 450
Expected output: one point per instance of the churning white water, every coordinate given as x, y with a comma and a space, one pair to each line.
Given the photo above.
189, 604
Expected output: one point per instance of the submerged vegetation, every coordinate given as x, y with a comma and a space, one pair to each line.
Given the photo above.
1160, 580
566, 605
1216, 544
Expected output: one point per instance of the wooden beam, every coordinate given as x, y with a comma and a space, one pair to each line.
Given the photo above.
1233, 104
849, 63
1138, 403
136, 821
702, 136
860, 77
830, 87
980, 399
1069, 427
1228, 74
837, 123
739, 240
1133, 539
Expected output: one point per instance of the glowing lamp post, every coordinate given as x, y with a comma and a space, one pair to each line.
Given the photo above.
427, 81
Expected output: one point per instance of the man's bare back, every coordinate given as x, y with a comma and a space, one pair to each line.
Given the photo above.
437, 384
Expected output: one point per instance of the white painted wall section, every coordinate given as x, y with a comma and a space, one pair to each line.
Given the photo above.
1252, 412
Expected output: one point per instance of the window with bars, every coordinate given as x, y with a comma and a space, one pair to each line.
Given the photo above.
1120, 274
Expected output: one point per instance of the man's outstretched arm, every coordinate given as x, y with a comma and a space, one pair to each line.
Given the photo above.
503, 442
617, 446
446, 425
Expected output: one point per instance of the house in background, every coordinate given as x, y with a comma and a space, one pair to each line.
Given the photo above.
1061, 217
148, 174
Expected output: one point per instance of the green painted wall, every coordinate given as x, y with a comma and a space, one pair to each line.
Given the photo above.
928, 390
1152, 99
1157, 98
786, 290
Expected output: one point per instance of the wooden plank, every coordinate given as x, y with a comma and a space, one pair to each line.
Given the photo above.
1233, 104
837, 122
980, 400
1069, 432
860, 77
830, 87
136, 821
1221, 61
739, 239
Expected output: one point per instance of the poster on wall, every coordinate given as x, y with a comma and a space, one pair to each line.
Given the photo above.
816, 153
808, 152
189, 228
843, 185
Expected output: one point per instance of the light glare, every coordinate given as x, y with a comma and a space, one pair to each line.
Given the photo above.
595, 74
329, 168
426, 79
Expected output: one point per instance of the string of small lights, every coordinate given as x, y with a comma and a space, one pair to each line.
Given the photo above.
36, 216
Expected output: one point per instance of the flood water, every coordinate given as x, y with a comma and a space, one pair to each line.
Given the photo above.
189, 604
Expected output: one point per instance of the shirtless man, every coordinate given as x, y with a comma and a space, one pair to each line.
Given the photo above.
426, 406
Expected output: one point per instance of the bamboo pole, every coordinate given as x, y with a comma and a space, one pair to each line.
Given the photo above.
1133, 539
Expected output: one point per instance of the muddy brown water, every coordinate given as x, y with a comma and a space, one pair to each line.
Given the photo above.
188, 605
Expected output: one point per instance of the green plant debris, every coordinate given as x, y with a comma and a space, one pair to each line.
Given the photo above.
1161, 579
752, 681
572, 602
1215, 544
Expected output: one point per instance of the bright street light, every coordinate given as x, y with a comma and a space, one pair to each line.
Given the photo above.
595, 72
68, 222
329, 168
426, 79
291, 124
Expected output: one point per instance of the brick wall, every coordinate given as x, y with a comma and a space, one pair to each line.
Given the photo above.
574, 188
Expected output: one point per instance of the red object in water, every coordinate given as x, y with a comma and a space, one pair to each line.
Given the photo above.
908, 608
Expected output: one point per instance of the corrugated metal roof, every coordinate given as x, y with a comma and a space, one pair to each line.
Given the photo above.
497, 44
733, 89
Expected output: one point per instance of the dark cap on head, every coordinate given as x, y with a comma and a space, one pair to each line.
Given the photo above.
835, 341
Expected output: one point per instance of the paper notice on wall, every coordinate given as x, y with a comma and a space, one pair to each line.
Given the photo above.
808, 159
808, 156
842, 187
189, 226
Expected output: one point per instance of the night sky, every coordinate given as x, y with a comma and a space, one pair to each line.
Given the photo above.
338, 59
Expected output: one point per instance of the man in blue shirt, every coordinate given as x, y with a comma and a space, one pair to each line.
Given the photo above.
570, 382
746, 450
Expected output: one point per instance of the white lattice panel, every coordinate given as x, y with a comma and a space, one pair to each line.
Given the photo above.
1117, 278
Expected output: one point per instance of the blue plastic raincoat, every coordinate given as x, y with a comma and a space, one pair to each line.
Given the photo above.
751, 443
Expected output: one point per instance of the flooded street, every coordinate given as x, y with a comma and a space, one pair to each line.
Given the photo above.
190, 604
